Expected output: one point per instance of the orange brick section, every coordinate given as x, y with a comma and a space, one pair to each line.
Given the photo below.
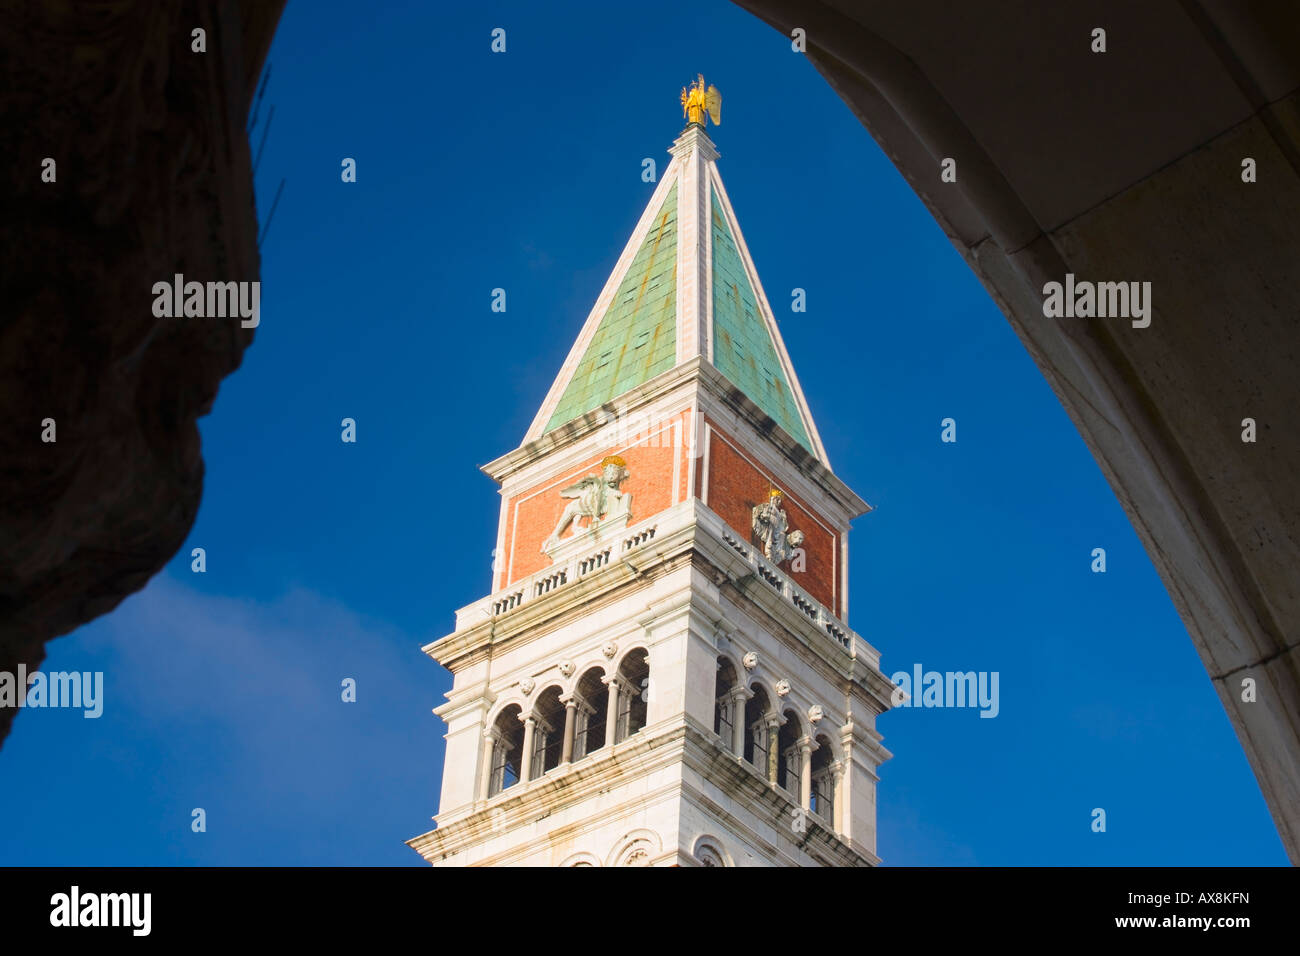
736, 485
531, 515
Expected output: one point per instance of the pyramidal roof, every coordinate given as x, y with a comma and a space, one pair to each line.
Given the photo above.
685, 286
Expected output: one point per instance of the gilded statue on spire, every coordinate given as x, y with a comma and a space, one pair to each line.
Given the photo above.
696, 101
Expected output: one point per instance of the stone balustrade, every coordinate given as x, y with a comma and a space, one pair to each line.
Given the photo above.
638, 536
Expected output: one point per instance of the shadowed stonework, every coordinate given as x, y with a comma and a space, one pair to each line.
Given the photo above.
152, 179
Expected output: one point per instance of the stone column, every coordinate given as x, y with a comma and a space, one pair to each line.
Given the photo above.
611, 713
738, 722
773, 737
489, 751
838, 797
570, 725
805, 773
526, 762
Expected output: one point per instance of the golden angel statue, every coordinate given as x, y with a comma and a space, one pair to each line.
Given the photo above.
696, 101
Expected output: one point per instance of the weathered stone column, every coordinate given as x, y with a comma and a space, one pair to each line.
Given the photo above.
838, 797
570, 713
611, 715
773, 736
738, 722
489, 751
526, 762
805, 773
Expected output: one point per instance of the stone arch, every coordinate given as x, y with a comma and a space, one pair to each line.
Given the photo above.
789, 764
758, 709
633, 673
708, 852
824, 789
548, 730
636, 848
494, 713
592, 714
505, 755
725, 684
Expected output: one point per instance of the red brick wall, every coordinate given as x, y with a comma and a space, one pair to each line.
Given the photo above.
737, 484
532, 514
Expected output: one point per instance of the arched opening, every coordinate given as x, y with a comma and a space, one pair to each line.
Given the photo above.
507, 736
757, 709
823, 780
789, 763
592, 713
723, 705
634, 671
708, 854
548, 734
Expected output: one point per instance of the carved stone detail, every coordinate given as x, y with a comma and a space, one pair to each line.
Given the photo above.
769, 525
596, 497
750, 661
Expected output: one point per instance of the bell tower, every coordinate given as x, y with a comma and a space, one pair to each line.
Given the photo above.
663, 673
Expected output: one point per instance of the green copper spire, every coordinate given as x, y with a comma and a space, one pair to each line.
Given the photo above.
743, 349
637, 337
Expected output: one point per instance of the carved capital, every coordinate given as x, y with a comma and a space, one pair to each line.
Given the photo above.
613, 680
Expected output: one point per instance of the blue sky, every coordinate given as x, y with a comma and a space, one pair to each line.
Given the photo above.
327, 560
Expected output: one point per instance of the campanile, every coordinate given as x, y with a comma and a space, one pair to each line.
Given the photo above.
663, 673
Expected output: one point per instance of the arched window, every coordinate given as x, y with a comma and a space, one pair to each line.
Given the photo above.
823, 780
634, 672
757, 710
724, 701
709, 853
592, 713
790, 757
548, 734
507, 736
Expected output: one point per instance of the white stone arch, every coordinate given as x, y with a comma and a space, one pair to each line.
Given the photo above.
601, 664
617, 664
708, 851
820, 729
750, 680
542, 687
515, 700
581, 858
636, 848
742, 675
